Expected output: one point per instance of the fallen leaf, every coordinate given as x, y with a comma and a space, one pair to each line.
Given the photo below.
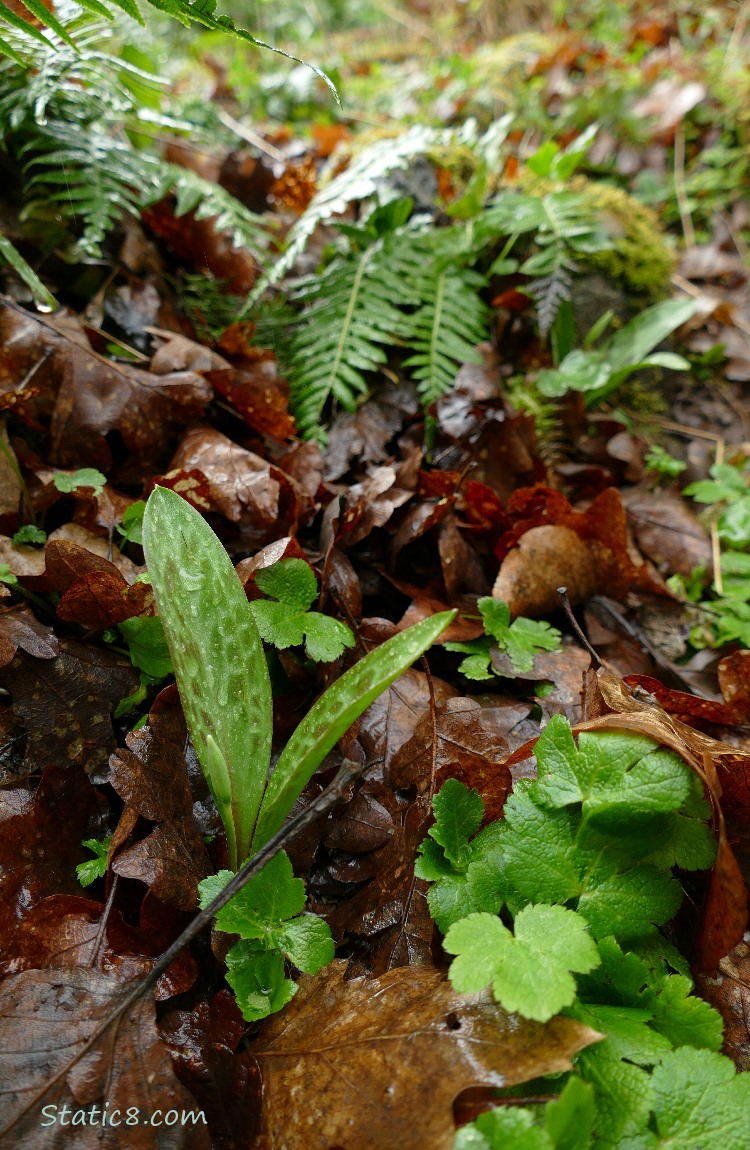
668, 532
245, 488
48, 1016
728, 990
20, 628
151, 776
546, 558
374, 1063
458, 747
226, 1085
66, 704
40, 846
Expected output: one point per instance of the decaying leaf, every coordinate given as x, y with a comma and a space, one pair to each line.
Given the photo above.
364, 1064
47, 1016
151, 776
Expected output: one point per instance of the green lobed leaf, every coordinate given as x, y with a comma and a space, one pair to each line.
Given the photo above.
89, 871
333, 714
531, 972
700, 1101
289, 622
216, 650
84, 477
257, 978
458, 815
264, 902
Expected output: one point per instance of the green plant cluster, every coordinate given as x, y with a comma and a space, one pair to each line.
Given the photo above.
75, 114
558, 906
267, 915
520, 640
723, 618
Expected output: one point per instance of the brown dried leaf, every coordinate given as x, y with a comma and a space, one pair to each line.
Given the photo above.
667, 531
226, 1085
259, 394
66, 704
152, 777
20, 628
70, 930
85, 396
46, 1017
463, 750
40, 846
728, 990
200, 245
546, 558
360, 1091
245, 488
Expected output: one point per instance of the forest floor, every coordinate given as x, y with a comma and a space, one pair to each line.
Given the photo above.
413, 500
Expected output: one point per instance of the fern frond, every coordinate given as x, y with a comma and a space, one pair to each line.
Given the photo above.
348, 322
361, 181
549, 292
447, 318
198, 12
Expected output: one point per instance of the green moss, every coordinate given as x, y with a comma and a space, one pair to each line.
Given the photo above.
641, 258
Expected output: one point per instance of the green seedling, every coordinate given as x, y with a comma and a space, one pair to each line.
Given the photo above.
659, 462
30, 535
89, 871
597, 373
267, 915
520, 640
222, 676
84, 477
287, 621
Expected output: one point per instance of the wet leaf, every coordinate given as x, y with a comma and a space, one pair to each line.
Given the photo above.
66, 703
19, 628
151, 776
362, 1091
46, 1016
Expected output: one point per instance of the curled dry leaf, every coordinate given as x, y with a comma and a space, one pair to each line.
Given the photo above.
245, 488
151, 776
374, 1063
47, 1017
20, 628
546, 558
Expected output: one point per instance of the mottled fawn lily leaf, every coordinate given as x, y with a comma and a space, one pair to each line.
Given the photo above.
218, 659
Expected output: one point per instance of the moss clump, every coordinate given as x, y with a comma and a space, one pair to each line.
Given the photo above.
641, 258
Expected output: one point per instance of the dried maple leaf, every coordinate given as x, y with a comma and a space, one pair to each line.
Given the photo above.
364, 1064
47, 1016
728, 989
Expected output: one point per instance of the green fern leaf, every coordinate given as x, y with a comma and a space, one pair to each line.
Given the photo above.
349, 320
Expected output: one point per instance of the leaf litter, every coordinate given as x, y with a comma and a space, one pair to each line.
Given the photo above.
378, 1045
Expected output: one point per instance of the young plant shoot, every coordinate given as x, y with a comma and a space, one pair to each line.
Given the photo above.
222, 676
